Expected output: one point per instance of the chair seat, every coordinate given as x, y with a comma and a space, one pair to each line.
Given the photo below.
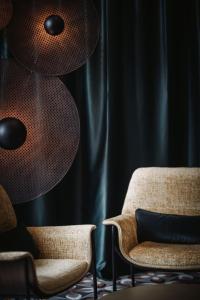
166, 256
54, 275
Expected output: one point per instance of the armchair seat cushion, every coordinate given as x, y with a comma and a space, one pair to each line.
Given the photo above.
166, 256
54, 275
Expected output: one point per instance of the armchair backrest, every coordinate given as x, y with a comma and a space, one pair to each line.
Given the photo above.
165, 190
8, 219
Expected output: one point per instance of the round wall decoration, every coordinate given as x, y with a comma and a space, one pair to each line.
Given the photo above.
6, 10
53, 37
39, 132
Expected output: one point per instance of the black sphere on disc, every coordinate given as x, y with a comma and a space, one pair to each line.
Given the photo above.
54, 25
12, 133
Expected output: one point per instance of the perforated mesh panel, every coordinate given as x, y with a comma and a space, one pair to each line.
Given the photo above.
6, 11
49, 113
53, 55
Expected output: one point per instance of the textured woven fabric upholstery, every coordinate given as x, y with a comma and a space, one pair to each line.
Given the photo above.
8, 219
54, 275
46, 276
166, 256
164, 190
71, 242
65, 257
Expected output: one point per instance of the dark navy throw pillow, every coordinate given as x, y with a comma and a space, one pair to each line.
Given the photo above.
167, 228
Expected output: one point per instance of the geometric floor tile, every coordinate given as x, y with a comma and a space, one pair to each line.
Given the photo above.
84, 289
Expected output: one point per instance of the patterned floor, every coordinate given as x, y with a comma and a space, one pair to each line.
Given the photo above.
84, 289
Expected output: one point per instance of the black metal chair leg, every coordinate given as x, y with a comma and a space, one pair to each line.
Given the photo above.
114, 273
132, 274
94, 266
28, 296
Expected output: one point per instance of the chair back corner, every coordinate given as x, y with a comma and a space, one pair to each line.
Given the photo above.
165, 190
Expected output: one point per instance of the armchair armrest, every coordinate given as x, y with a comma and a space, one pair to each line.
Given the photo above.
17, 273
127, 232
14, 256
73, 242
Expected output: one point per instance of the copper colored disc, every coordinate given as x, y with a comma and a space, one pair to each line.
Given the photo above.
50, 54
6, 10
46, 108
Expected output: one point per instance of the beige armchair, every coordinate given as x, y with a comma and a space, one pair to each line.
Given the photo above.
66, 254
164, 190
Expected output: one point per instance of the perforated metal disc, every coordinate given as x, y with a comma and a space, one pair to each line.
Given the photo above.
48, 111
53, 55
6, 10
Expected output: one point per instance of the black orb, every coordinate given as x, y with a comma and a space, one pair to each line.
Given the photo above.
54, 25
12, 133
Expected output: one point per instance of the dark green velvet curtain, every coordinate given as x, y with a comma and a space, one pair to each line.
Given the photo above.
139, 105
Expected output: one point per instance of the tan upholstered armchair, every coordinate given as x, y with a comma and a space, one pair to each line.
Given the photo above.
66, 254
164, 190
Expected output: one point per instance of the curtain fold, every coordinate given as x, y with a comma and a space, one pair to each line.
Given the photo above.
139, 105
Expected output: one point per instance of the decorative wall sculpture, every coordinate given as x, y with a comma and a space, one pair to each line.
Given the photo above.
39, 121
6, 10
53, 37
44, 154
